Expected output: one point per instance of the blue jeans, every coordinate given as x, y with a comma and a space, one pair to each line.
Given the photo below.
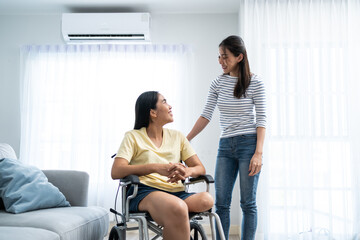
234, 157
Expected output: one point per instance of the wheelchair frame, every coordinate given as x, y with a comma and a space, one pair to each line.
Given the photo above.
144, 219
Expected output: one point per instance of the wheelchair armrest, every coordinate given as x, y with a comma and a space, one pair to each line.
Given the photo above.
202, 178
131, 179
206, 178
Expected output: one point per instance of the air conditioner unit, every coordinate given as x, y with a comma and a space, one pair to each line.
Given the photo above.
106, 27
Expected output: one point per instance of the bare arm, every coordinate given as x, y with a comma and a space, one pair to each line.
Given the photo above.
200, 124
260, 140
121, 169
256, 160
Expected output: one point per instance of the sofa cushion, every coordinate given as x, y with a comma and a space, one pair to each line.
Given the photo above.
21, 233
25, 188
73, 184
72, 223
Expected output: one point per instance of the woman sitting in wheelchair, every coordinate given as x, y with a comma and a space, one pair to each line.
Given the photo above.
154, 153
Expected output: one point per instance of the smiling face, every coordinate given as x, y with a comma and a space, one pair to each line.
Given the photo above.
162, 114
229, 63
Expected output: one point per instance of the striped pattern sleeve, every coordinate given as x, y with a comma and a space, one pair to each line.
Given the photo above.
260, 102
211, 100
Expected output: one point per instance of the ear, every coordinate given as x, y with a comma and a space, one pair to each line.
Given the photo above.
240, 57
153, 113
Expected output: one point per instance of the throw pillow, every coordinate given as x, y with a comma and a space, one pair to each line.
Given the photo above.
6, 151
24, 188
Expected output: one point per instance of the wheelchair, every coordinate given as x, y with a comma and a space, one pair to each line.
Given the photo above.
144, 220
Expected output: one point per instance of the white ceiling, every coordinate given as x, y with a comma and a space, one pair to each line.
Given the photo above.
152, 6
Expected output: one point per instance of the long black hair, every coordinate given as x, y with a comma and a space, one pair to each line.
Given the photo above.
236, 46
144, 103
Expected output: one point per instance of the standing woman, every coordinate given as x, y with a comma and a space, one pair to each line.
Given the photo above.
237, 92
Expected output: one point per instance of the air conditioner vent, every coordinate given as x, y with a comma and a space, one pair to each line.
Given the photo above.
106, 27
106, 37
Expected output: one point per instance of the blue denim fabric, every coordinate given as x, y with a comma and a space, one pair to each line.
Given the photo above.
234, 157
144, 190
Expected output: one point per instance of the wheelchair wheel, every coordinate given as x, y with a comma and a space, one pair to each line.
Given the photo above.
117, 234
197, 231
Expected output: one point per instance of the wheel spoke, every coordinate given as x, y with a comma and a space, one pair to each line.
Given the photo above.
197, 231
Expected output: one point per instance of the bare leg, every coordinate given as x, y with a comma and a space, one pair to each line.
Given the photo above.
199, 202
170, 212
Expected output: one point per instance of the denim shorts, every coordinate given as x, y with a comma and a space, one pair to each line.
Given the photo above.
144, 190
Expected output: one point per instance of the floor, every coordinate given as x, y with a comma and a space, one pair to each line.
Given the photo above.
133, 235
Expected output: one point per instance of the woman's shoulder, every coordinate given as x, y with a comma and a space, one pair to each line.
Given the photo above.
216, 80
256, 79
225, 77
219, 80
173, 133
135, 133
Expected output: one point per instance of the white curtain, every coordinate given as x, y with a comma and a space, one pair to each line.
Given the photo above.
307, 52
79, 100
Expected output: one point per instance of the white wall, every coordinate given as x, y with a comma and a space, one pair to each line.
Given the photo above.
16, 31
202, 31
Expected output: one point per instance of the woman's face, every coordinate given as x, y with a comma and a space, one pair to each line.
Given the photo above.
163, 111
229, 63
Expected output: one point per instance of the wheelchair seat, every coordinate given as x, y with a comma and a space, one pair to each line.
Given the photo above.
145, 221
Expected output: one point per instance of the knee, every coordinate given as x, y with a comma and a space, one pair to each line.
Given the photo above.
222, 208
206, 201
223, 202
178, 211
249, 207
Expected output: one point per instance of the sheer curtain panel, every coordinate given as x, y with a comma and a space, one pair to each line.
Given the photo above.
79, 100
306, 52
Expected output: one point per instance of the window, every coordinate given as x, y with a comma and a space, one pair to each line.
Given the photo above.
304, 52
79, 100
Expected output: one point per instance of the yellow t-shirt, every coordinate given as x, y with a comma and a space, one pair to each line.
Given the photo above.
138, 148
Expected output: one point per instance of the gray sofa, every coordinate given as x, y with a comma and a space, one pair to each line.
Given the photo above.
78, 222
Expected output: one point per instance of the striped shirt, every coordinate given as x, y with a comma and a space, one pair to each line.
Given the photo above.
237, 116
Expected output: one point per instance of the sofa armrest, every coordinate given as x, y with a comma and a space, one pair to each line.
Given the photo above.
73, 184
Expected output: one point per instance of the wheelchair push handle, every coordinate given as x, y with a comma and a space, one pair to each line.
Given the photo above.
123, 219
